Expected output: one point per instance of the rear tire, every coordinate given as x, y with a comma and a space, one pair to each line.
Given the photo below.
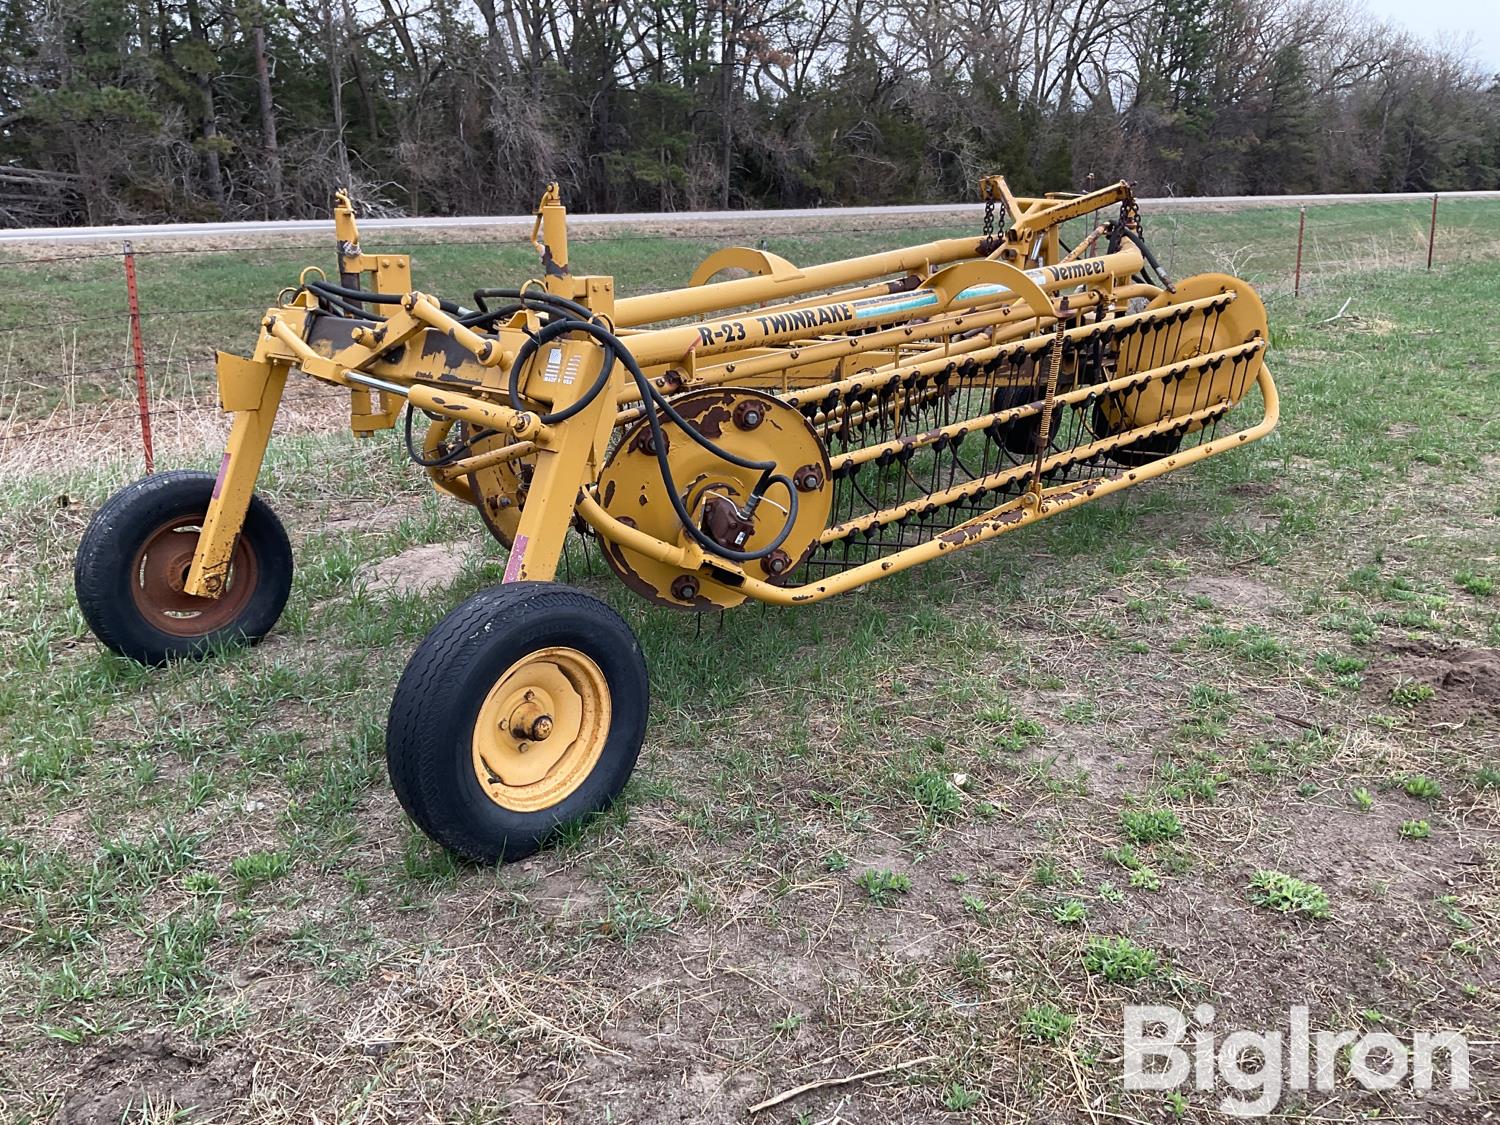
522, 712
1140, 452
1023, 436
133, 557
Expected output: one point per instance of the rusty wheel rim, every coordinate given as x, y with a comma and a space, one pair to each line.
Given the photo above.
161, 566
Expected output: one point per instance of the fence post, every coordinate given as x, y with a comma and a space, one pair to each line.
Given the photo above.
1432, 231
1301, 227
142, 395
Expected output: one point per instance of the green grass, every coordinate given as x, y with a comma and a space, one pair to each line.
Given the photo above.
882, 829
1120, 960
1422, 788
69, 321
958, 1097
1046, 1023
1287, 894
884, 886
1150, 826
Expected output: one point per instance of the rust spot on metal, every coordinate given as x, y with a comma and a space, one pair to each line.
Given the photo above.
708, 413
550, 266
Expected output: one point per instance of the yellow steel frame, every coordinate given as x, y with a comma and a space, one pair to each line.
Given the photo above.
808, 334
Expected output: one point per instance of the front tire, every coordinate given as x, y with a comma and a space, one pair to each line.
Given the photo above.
523, 711
135, 554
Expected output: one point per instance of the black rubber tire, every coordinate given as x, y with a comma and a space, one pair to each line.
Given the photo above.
1140, 452
102, 568
1022, 437
429, 735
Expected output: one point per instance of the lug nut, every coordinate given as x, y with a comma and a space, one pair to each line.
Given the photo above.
749, 414
808, 478
777, 563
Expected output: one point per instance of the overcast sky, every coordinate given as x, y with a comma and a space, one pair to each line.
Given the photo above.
1448, 21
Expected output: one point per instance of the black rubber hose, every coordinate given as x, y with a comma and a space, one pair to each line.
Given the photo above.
347, 308
355, 294
651, 398
549, 333
367, 297
538, 297
447, 458
486, 317
1140, 244
574, 317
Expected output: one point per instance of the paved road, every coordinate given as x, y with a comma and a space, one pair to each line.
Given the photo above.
210, 231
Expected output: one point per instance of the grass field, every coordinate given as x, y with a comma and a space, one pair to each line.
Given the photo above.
941, 829
64, 337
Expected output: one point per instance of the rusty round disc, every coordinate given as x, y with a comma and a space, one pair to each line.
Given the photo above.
749, 423
160, 568
499, 491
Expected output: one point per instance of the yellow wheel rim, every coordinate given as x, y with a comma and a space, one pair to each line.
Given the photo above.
541, 729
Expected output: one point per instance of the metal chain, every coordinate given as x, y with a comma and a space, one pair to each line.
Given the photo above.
1130, 220
990, 239
1130, 213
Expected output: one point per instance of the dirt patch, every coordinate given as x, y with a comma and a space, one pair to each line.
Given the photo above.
362, 517
417, 570
153, 1072
1465, 681
1230, 592
1254, 488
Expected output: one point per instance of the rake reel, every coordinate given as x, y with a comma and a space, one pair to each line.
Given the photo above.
781, 436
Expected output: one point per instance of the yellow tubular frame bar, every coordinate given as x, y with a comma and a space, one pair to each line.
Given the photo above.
769, 326
676, 303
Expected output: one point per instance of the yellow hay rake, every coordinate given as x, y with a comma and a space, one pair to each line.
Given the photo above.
783, 436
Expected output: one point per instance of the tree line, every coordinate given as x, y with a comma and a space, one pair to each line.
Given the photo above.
121, 110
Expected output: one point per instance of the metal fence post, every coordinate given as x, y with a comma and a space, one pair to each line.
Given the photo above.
1297, 275
138, 347
1432, 230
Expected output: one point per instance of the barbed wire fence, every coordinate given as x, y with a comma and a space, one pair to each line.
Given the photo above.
1292, 253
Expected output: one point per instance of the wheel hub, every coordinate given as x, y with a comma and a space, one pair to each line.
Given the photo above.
159, 576
530, 722
541, 729
742, 421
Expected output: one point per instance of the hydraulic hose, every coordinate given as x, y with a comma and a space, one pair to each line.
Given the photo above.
570, 316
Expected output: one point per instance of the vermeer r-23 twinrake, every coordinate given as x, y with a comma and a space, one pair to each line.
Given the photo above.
783, 436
